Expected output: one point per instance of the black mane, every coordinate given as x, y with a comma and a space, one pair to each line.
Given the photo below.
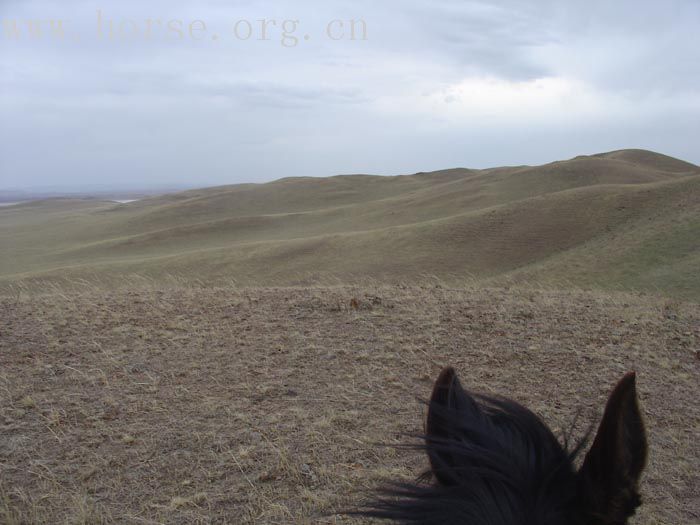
494, 462
510, 470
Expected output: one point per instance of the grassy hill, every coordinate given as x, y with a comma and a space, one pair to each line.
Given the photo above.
627, 219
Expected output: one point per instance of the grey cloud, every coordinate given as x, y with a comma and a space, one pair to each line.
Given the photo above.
209, 113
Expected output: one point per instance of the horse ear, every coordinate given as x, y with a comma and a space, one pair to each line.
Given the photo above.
609, 476
449, 403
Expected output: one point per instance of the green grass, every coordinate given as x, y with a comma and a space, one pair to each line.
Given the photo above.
621, 220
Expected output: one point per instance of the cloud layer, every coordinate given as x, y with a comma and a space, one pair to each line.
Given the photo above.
435, 84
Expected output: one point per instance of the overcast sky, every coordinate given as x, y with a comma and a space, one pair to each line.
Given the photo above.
435, 84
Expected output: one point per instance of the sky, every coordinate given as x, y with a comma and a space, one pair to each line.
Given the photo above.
138, 95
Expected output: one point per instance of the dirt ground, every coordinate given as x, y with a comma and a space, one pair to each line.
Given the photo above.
276, 405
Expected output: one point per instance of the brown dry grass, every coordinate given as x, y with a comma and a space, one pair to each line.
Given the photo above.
265, 405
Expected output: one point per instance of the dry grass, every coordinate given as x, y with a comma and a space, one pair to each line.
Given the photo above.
266, 405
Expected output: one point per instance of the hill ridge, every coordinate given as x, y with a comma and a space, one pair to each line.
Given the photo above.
512, 223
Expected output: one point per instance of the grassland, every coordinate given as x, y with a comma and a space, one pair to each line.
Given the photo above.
232, 405
627, 220
254, 353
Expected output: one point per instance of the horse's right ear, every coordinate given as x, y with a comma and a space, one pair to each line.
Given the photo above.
609, 476
450, 406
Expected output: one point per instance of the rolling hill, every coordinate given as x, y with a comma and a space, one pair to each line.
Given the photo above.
627, 219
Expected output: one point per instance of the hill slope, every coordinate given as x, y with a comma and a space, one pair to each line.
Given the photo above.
628, 219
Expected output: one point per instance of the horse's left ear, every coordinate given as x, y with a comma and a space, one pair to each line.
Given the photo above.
450, 408
609, 476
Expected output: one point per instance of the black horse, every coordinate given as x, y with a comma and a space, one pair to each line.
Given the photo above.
494, 462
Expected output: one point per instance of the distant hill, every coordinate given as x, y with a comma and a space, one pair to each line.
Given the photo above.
627, 219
